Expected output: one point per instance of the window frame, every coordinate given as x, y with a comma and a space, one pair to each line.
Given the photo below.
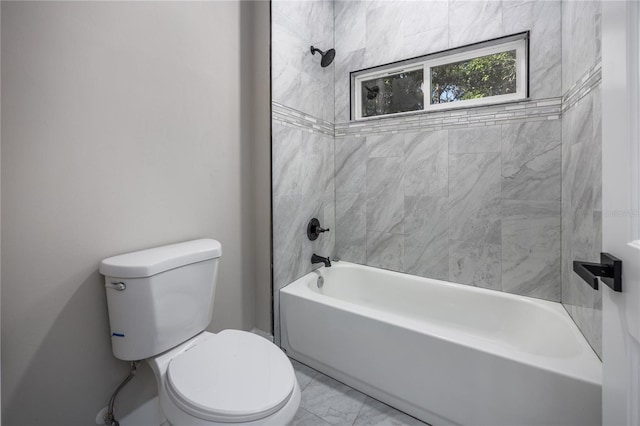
518, 42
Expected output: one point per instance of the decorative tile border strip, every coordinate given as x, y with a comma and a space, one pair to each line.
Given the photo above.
516, 112
582, 87
290, 117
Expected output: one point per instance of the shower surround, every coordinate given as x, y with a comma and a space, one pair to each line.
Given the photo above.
471, 195
302, 139
581, 163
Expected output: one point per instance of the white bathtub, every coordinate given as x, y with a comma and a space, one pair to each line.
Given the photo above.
445, 353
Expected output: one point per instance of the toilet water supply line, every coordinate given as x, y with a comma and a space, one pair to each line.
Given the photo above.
109, 419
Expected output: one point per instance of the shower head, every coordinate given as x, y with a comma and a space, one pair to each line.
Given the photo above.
327, 57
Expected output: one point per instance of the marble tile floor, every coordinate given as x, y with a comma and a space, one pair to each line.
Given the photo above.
326, 402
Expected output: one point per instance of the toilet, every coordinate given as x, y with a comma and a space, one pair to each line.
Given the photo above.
160, 302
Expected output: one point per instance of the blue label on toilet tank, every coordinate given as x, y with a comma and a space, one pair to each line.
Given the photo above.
117, 334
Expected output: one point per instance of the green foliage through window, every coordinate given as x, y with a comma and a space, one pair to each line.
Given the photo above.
481, 77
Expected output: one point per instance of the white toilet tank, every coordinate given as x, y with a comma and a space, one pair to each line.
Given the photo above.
160, 297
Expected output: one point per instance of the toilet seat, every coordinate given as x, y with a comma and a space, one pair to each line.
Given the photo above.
231, 377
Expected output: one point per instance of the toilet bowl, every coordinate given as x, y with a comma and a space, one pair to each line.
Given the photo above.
160, 302
229, 377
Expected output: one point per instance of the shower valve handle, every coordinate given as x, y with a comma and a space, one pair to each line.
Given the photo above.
314, 229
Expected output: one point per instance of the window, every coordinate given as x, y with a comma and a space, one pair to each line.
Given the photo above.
397, 91
484, 73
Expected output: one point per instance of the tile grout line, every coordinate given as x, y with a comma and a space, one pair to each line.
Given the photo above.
360, 410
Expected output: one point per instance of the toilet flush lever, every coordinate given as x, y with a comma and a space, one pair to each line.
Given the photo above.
120, 286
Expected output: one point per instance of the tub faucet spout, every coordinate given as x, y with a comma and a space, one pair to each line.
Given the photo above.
319, 259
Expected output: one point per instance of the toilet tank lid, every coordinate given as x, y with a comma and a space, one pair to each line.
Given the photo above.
145, 263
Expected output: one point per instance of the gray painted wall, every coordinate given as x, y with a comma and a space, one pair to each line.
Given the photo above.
259, 52
581, 165
125, 125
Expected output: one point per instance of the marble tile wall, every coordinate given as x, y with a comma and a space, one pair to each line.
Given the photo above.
580, 39
303, 188
471, 195
478, 206
371, 33
302, 141
298, 80
581, 163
